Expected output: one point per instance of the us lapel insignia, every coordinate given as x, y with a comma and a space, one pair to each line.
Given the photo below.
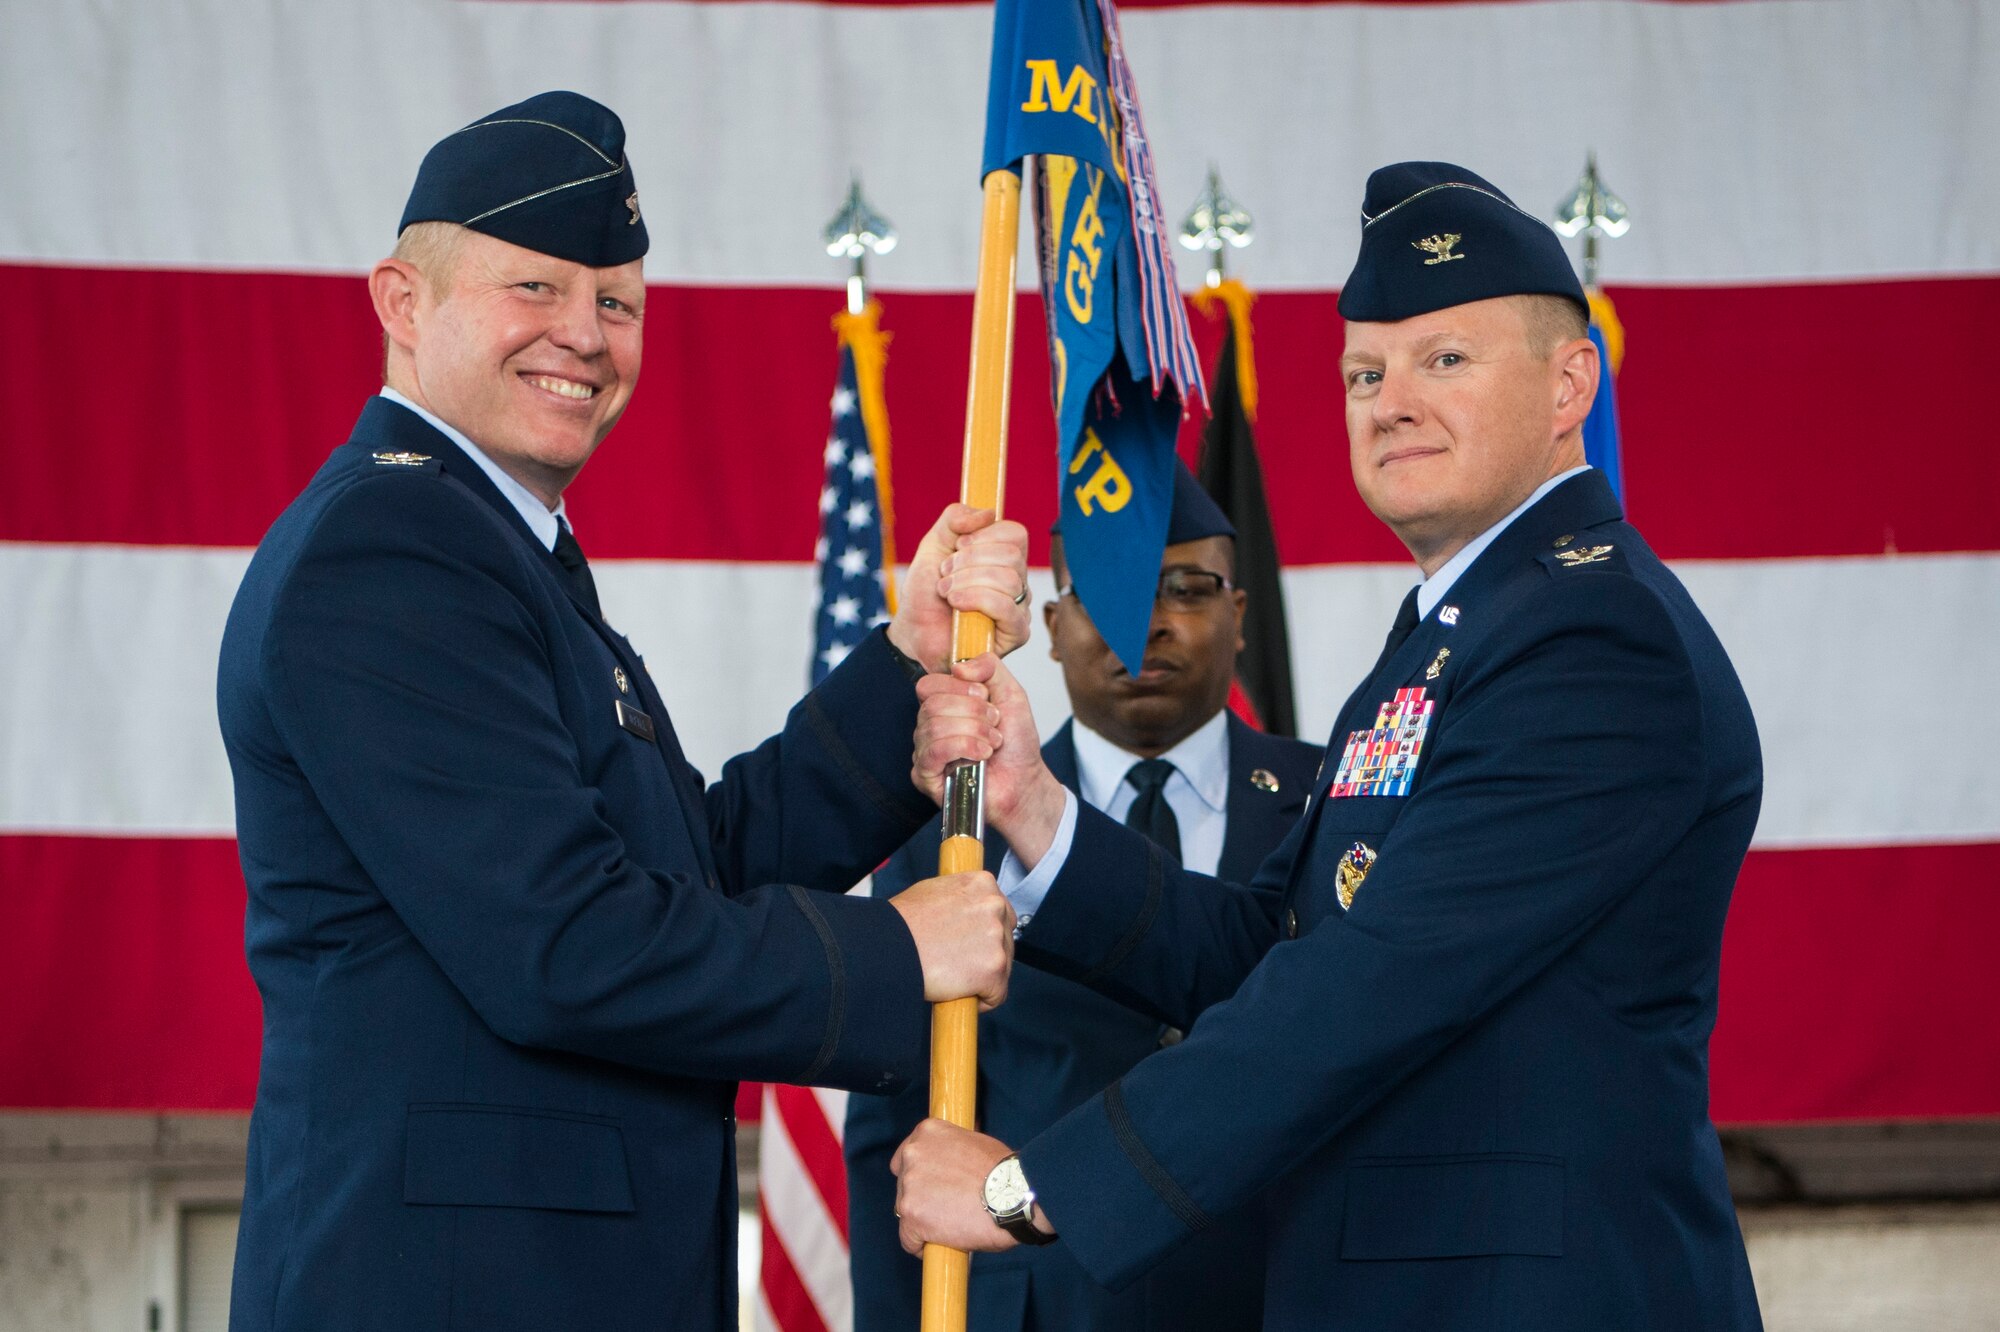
1264, 780
1436, 668
618, 678
1354, 867
1570, 559
401, 459
1448, 615
1439, 248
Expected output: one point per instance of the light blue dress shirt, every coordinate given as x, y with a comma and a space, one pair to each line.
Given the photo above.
1026, 889
1197, 792
540, 518
1431, 591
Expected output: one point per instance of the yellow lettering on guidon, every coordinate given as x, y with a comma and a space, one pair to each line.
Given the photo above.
1080, 276
1046, 94
1108, 486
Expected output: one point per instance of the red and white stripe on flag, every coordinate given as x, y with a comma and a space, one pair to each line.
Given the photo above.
189, 333
802, 1203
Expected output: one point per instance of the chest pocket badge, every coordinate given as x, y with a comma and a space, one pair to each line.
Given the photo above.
635, 721
1354, 867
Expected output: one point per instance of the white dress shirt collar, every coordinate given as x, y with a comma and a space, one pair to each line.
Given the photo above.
540, 518
1431, 591
1201, 760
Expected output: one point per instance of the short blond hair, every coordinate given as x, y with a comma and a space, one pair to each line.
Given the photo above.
431, 248
1551, 321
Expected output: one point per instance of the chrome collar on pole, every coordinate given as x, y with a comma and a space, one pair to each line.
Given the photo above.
964, 808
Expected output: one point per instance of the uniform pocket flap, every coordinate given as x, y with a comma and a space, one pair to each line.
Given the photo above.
1359, 817
1453, 1207
998, 1299
495, 1156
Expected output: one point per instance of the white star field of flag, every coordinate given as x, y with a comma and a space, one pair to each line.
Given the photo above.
849, 550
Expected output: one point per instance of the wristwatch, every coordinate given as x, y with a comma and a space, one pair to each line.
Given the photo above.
1011, 1203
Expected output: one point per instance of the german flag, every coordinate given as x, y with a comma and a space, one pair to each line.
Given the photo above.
1234, 479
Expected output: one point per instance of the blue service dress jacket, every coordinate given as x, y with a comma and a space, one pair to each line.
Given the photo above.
1044, 1052
513, 956
1457, 1037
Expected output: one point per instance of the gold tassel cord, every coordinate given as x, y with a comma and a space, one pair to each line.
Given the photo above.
1605, 316
1237, 299
862, 333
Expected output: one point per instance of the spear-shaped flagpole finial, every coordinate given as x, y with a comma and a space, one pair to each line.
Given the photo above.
1595, 211
1216, 221
856, 232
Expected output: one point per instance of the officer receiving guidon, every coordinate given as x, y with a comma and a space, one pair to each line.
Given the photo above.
1453, 1034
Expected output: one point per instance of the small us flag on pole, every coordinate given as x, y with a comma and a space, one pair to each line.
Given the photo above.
802, 1178
856, 552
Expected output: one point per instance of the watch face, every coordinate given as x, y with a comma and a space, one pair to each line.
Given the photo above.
1006, 1188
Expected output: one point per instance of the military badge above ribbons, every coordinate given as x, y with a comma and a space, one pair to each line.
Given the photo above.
1121, 358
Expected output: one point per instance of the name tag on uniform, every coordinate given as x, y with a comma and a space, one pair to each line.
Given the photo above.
1382, 760
635, 721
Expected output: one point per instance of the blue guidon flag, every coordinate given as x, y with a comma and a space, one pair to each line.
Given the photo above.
1122, 360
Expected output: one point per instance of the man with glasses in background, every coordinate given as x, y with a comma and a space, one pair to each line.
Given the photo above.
1159, 752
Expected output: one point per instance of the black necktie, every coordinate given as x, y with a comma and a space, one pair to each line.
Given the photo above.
1150, 813
570, 556
1406, 621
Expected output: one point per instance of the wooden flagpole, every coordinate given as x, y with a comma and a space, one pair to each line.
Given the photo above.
955, 1025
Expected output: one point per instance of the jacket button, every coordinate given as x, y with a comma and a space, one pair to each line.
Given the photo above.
1291, 923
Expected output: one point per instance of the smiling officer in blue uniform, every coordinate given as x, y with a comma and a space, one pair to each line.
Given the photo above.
1455, 1031
1160, 753
513, 955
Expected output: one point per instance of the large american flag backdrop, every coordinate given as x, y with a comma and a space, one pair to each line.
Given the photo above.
190, 193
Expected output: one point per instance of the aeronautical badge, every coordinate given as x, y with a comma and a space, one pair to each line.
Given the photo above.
401, 459
1582, 555
1436, 668
1354, 867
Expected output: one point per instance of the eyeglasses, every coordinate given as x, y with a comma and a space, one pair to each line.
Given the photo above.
1179, 590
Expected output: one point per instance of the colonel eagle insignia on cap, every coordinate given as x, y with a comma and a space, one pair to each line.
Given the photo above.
1438, 247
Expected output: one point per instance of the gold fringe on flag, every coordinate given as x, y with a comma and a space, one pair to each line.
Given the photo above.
1238, 299
863, 334
1605, 316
